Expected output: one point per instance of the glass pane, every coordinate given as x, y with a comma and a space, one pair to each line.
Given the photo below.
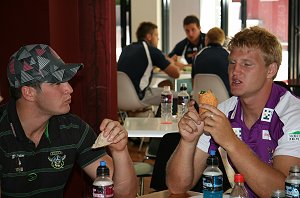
210, 14
270, 14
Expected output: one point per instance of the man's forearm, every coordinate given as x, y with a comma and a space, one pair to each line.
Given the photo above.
257, 173
125, 182
180, 169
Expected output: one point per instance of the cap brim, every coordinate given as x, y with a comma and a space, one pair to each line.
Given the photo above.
64, 73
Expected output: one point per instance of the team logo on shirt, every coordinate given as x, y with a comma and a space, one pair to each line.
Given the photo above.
57, 159
267, 114
266, 135
294, 136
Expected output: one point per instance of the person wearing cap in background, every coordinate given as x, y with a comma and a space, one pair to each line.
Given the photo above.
185, 50
40, 140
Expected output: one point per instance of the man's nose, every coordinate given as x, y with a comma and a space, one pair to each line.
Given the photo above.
67, 87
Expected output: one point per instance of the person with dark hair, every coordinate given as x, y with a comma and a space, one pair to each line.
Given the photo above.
258, 126
185, 50
213, 58
40, 141
137, 61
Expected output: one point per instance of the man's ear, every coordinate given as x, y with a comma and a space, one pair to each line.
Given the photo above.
272, 70
28, 93
148, 37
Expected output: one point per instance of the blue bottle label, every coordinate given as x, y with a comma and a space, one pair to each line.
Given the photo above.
212, 183
292, 190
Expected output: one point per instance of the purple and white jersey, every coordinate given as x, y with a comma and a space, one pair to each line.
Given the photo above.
276, 132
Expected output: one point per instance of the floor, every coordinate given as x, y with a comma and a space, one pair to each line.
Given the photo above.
138, 156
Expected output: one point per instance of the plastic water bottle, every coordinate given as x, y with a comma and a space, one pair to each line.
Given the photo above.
239, 190
103, 186
212, 178
182, 100
292, 182
166, 105
278, 194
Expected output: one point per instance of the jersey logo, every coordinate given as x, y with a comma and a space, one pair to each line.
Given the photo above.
266, 135
57, 159
238, 132
18, 161
294, 136
267, 114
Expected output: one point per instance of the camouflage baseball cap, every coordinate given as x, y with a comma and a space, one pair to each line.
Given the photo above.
38, 63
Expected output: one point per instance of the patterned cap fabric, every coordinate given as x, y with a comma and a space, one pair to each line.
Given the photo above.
36, 64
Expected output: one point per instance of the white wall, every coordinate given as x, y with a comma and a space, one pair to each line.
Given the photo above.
145, 10
179, 9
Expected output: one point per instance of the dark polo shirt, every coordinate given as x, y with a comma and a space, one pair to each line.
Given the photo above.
42, 171
133, 61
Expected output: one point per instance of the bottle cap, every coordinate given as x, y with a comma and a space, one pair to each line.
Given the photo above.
212, 152
183, 86
212, 159
167, 88
102, 169
238, 178
102, 163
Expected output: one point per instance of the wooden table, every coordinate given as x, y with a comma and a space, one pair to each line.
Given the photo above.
148, 127
166, 194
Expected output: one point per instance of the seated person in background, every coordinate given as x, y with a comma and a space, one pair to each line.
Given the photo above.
137, 61
192, 44
213, 59
256, 126
40, 141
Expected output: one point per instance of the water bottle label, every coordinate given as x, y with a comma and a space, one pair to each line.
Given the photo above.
166, 98
212, 183
103, 191
183, 100
292, 190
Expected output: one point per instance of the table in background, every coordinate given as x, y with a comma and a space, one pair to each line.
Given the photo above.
185, 76
148, 127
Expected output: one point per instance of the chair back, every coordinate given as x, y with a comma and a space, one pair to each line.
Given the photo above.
212, 82
128, 99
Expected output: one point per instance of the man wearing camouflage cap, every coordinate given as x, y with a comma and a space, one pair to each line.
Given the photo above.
40, 140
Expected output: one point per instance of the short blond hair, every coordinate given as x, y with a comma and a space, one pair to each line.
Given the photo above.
258, 38
216, 35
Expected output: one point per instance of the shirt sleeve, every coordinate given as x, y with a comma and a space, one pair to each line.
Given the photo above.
87, 155
288, 111
158, 58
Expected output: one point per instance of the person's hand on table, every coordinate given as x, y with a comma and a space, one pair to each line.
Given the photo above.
115, 133
156, 69
190, 125
187, 67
